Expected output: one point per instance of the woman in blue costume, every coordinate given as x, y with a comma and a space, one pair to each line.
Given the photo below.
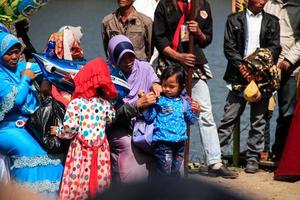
30, 164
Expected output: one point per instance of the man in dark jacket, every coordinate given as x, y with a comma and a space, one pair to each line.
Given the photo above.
245, 32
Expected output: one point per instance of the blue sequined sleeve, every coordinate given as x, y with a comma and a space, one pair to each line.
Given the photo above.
150, 113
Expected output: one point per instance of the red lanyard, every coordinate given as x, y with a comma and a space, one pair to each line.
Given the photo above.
185, 9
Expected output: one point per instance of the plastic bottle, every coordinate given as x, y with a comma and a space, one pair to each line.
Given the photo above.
50, 52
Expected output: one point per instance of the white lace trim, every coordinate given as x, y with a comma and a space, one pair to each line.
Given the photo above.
8, 103
22, 162
42, 186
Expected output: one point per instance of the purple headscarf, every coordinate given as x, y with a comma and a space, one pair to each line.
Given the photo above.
117, 47
142, 75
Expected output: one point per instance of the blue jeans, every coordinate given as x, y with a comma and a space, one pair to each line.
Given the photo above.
206, 124
168, 157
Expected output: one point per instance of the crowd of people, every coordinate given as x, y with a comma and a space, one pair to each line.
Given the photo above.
260, 42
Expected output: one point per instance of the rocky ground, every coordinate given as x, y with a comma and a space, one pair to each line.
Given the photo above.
259, 186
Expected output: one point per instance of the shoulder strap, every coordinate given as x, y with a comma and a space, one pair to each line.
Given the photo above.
185, 105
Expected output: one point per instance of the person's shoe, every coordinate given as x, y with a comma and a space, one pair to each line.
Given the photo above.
203, 170
251, 167
223, 172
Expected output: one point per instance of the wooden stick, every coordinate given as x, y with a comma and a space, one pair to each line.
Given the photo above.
189, 90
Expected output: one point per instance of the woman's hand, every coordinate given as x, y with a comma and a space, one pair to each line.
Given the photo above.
29, 73
195, 107
145, 100
53, 130
193, 27
156, 88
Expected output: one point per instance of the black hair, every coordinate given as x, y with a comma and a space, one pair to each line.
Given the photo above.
174, 70
100, 93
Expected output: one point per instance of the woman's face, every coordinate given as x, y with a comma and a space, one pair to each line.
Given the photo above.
170, 86
12, 56
127, 61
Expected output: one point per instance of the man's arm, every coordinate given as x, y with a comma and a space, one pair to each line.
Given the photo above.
274, 43
206, 34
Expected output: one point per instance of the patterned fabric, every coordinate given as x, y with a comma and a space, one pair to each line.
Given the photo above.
21, 162
261, 62
87, 119
8, 103
67, 45
169, 119
13, 11
76, 177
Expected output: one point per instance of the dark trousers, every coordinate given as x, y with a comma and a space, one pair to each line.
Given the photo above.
234, 108
286, 106
268, 132
168, 158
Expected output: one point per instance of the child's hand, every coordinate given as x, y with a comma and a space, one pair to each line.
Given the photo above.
195, 106
53, 130
157, 89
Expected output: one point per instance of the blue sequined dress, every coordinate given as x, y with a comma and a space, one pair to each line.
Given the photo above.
30, 164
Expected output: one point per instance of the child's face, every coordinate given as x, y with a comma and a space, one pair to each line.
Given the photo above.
171, 87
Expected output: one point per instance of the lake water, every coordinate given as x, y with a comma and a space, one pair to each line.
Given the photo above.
89, 13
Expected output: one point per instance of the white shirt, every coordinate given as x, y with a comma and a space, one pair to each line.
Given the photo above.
147, 7
253, 32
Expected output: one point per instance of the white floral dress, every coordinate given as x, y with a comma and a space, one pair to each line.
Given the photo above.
87, 169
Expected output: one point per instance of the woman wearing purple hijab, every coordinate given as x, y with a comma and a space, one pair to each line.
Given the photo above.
129, 163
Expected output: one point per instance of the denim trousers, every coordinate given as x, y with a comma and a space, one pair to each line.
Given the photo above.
206, 124
168, 157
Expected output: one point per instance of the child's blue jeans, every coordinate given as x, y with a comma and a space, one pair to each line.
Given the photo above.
168, 157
